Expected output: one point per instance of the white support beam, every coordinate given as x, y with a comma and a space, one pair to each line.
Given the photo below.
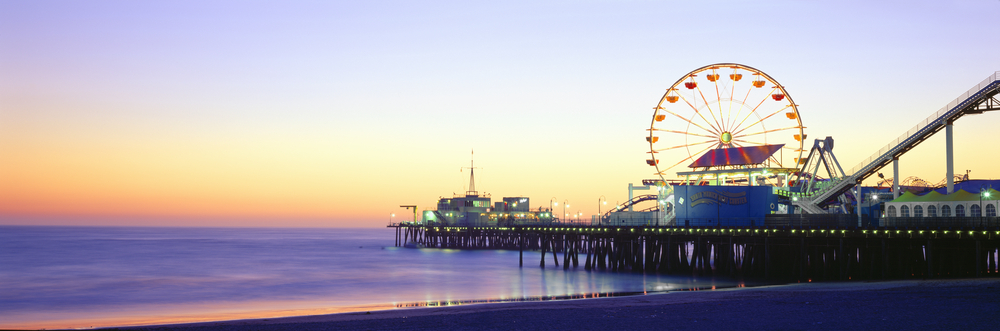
895, 178
949, 150
858, 197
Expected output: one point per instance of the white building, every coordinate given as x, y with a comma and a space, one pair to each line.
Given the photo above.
937, 205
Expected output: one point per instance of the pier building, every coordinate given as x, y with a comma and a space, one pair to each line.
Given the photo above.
477, 209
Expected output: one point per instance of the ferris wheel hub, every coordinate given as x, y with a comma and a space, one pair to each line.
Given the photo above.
726, 137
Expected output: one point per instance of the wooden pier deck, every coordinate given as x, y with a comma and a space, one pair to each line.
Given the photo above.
773, 253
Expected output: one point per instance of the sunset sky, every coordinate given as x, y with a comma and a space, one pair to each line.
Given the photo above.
334, 113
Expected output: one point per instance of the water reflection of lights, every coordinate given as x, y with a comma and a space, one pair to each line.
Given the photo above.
663, 287
445, 303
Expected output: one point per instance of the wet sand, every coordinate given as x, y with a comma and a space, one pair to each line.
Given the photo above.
960, 304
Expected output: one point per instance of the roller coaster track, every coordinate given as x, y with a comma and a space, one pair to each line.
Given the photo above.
979, 99
636, 200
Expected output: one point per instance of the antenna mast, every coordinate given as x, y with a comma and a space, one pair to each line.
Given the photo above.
472, 175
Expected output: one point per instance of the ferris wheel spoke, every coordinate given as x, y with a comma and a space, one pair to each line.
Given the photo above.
744, 102
734, 118
689, 157
717, 130
731, 92
754, 109
687, 133
689, 121
763, 119
688, 145
718, 97
767, 131
748, 142
710, 111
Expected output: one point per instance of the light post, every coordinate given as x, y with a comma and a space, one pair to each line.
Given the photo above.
552, 207
578, 216
391, 215
873, 202
600, 201
565, 204
982, 212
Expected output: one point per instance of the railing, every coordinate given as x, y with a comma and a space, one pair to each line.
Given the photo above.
951, 108
942, 222
846, 221
794, 221
820, 187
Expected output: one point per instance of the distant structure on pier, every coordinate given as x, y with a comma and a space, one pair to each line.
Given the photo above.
477, 209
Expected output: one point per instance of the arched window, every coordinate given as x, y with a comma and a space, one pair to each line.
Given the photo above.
904, 211
931, 211
945, 211
918, 211
892, 211
991, 211
960, 211
975, 211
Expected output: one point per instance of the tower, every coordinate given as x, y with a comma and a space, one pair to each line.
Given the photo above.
472, 176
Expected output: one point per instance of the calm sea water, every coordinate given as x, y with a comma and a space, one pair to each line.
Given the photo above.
54, 277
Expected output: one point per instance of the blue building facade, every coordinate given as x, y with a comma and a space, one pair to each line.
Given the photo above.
723, 205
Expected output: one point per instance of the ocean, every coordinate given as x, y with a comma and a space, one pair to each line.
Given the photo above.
81, 277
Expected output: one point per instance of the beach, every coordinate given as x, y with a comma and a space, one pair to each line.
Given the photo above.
953, 304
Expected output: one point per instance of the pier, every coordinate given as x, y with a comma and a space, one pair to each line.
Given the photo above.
787, 253
745, 210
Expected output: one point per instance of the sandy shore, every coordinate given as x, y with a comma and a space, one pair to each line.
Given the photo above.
963, 304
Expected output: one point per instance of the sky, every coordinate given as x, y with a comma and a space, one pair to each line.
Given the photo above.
335, 113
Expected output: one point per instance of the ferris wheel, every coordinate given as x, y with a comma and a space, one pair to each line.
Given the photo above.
705, 110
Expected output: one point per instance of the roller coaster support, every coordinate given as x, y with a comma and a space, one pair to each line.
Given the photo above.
895, 178
633, 187
950, 157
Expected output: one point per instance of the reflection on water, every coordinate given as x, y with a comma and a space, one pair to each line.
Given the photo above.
81, 277
662, 288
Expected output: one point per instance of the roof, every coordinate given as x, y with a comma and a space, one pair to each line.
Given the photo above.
906, 197
736, 156
959, 195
